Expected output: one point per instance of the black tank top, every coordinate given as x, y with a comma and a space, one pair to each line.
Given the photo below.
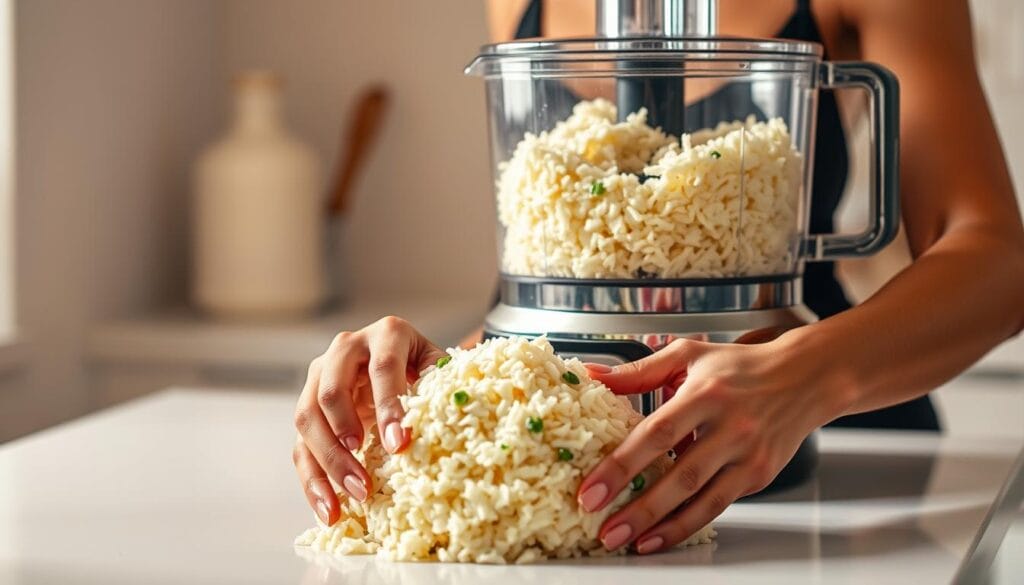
822, 292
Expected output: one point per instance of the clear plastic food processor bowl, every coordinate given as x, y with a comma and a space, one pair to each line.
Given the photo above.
659, 152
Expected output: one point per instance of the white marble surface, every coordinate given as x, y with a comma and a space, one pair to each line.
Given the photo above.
197, 487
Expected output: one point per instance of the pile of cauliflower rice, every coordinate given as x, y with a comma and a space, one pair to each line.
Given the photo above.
597, 198
502, 435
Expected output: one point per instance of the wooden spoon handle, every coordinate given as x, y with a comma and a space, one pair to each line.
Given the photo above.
363, 127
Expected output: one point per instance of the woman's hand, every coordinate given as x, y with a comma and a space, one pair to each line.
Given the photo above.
750, 405
353, 385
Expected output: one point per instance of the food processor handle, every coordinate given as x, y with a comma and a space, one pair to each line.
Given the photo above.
884, 95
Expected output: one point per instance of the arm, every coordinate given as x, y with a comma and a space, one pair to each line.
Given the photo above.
963, 294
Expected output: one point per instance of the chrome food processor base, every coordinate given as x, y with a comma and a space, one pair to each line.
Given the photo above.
614, 322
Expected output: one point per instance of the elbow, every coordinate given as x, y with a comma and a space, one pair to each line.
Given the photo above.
1004, 252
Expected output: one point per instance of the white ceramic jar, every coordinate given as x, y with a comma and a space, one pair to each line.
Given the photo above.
258, 215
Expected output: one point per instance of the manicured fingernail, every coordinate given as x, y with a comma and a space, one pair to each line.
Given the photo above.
354, 486
649, 544
323, 512
351, 443
599, 368
617, 536
393, 436
320, 489
592, 497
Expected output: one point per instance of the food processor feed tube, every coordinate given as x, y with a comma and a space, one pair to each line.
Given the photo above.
680, 209
661, 96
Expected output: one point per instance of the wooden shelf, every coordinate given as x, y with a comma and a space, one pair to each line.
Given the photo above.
131, 357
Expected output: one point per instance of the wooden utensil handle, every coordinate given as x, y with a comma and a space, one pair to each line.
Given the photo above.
363, 127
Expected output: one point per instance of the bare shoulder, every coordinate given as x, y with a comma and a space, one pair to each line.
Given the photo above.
928, 43
502, 17
939, 25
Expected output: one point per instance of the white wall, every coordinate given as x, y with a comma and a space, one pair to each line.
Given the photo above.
113, 100
423, 217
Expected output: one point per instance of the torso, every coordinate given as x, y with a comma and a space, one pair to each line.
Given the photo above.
568, 18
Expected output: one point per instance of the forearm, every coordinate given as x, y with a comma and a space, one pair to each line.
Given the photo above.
958, 300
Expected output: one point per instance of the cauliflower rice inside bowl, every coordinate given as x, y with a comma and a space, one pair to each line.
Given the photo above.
597, 198
502, 435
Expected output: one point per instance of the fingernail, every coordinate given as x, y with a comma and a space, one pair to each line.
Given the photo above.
351, 443
599, 368
323, 512
393, 436
354, 486
649, 544
617, 536
320, 489
592, 497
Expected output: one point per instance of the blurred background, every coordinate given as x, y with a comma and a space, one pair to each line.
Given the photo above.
110, 108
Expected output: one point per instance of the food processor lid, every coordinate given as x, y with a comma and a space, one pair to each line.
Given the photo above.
652, 31
588, 48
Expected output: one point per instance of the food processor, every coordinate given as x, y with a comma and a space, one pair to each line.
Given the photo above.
654, 183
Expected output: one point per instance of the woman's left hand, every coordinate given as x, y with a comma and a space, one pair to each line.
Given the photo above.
750, 406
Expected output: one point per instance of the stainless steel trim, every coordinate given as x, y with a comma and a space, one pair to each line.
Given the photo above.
670, 18
620, 298
505, 319
653, 330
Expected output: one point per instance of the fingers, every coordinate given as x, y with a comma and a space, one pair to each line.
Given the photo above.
653, 437
327, 450
334, 383
684, 444
328, 416
390, 345
664, 367
724, 489
315, 484
684, 479
428, 355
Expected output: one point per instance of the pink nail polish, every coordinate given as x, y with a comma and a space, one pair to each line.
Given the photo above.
354, 486
320, 488
323, 512
593, 496
599, 368
617, 536
393, 436
351, 443
649, 544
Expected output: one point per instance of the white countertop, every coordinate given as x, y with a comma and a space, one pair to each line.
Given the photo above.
198, 487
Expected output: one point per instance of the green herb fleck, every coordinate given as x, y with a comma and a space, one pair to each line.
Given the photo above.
564, 454
534, 424
443, 361
597, 188
716, 154
504, 447
637, 484
571, 378
459, 397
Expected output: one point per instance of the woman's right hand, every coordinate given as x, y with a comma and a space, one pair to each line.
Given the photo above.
353, 385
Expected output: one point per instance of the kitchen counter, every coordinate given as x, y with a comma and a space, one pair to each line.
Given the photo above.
197, 487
